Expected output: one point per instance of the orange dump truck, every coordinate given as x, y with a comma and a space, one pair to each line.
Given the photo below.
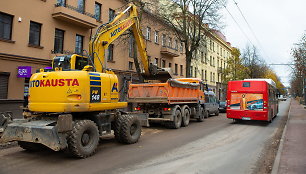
173, 102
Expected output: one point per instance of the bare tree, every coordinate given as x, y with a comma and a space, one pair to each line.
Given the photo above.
256, 67
298, 81
188, 19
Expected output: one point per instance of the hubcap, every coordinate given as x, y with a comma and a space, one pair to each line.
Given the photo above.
85, 139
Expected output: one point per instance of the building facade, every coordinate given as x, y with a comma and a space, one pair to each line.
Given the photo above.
210, 60
35, 31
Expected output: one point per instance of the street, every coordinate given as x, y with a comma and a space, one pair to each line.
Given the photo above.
217, 145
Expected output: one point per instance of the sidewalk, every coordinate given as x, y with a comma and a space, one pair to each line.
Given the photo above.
291, 157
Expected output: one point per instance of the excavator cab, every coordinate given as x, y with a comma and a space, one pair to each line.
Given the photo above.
69, 62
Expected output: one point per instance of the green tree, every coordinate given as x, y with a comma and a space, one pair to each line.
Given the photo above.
235, 69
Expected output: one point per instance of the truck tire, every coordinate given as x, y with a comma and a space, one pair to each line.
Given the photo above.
201, 115
32, 147
83, 139
185, 116
130, 129
177, 119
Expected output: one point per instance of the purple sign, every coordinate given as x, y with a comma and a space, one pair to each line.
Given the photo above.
24, 72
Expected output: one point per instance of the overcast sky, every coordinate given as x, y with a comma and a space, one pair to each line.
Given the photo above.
277, 25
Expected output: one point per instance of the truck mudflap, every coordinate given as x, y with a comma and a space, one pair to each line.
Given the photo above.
36, 131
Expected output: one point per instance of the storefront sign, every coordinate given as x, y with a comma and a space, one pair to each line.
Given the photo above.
24, 72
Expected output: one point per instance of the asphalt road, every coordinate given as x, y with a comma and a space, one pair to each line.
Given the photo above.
214, 146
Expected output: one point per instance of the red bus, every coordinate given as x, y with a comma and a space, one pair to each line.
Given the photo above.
252, 99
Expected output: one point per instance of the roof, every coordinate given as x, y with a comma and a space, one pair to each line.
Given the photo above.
270, 81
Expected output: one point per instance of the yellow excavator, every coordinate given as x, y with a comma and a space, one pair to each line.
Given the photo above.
76, 102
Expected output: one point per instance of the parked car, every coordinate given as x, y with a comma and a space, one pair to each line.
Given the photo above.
211, 103
222, 106
282, 98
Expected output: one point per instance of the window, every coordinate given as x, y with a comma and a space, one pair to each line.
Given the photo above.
6, 22
111, 14
211, 77
59, 41
110, 52
181, 48
156, 61
206, 59
246, 84
4, 79
148, 35
81, 6
98, 11
61, 3
213, 63
170, 42
170, 65
156, 36
79, 44
175, 45
35, 30
205, 75
164, 40
202, 74
163, 63
176, 69
181, 70
130, 65
210, 60
132, 47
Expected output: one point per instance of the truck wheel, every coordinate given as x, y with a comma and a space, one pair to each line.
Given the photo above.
33, 147
177, 120
186, 116
84, 138
201, 115
130, 130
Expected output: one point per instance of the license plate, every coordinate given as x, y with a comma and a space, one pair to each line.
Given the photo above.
246, 118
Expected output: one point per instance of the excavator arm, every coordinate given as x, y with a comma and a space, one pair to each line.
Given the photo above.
108, 33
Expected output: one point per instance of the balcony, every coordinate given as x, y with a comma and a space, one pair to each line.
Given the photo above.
169, 52
73, 15
220, 70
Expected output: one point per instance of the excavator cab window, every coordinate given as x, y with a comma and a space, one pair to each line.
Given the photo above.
80, 62
62, 62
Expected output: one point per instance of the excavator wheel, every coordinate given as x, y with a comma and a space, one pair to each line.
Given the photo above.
117, 128
32, 147
84, 139
130, 129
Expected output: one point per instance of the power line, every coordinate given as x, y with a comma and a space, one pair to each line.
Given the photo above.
252, 31
245, 35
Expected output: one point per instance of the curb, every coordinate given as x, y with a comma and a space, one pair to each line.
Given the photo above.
281, 145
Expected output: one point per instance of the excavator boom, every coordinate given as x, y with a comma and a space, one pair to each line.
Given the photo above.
108, 33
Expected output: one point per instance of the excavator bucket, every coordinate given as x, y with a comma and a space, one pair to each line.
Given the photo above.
160, 74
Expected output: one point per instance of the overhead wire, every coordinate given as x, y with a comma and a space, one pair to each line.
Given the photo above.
250, 28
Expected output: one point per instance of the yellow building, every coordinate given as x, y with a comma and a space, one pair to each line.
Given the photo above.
210, 60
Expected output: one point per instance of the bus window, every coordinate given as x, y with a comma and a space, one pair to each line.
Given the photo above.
246, 84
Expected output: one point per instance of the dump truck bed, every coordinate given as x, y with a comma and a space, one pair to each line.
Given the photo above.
171, 92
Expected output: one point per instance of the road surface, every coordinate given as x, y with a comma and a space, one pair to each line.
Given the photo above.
217, 145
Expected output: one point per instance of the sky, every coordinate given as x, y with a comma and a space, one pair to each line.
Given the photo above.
276, 24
